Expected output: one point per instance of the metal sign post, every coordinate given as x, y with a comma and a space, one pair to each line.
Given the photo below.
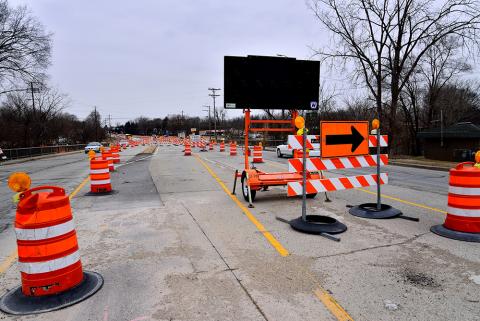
304, 173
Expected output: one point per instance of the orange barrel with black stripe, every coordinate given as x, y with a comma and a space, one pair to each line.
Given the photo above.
115, 154
107, 155
257, 154
48, 254
222, 146
99, 176
463, 211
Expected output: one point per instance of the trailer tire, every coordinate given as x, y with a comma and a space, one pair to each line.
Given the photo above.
253, 193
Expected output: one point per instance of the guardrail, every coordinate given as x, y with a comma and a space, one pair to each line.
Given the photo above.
26, 152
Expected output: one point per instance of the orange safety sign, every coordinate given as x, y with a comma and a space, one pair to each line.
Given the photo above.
343, 138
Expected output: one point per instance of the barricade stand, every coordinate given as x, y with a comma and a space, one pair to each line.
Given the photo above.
378, 210
48, 256
312, 224
463, 214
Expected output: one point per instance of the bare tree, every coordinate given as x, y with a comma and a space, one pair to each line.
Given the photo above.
386, 39
24, 47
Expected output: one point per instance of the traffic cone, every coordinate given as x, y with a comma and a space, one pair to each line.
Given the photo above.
48, 256
463, 212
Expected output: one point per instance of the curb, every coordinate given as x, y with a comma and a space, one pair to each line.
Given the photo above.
434, 168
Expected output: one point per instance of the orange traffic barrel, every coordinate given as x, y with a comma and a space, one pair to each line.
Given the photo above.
48, 255
115, 155
233, 149
188, 150
222, 146
257, 154
107, 155
99, 176
463, 211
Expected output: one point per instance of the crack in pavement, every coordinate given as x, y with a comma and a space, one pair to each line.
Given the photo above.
373, 247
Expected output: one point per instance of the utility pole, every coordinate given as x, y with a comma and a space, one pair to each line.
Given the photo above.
96, 127
209, 119
33, 97
214, 95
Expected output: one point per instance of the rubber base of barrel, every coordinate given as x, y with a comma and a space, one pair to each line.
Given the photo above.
16, 303
451, 234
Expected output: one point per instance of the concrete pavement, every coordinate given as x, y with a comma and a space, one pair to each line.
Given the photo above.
172, 244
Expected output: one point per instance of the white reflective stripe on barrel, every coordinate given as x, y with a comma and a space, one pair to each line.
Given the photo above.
38, 234
99, 171
470, 191
463, 212
100, 182
49, 266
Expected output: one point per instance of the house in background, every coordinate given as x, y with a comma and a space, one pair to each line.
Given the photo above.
460, 142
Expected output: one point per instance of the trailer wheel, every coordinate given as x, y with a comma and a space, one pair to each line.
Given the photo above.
253, 193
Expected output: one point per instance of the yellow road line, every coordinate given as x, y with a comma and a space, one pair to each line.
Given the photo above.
7, 263
332, 305
328, 301
273, 241
434, 209
79, 187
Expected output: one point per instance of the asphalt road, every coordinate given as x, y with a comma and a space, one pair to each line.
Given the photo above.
173, 244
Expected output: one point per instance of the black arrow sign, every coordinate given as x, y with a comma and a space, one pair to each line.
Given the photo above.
355, 138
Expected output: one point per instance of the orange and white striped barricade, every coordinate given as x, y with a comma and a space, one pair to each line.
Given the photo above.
188, 150
48, 255
233, 149
463, 211
99, 176
318, 164
222, 146
373, 141
295, 142
315, 186
107, 155
257, 154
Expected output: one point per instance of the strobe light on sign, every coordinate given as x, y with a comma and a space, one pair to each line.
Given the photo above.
261, 82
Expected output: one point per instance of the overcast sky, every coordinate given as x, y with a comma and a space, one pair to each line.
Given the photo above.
158, 57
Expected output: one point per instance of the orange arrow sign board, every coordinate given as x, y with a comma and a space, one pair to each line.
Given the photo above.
343, 138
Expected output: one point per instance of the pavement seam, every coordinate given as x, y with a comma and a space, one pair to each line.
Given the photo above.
229, 268
411, 239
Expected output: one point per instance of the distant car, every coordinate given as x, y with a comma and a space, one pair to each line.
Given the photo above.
95, 146
283, 150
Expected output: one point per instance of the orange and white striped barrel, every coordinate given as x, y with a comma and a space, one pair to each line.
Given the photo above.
257, 154
463, 213
107, 155
99, 176
298, 153
233, 149
222, 146
188, 150
48, 253
115, 155
211, 145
